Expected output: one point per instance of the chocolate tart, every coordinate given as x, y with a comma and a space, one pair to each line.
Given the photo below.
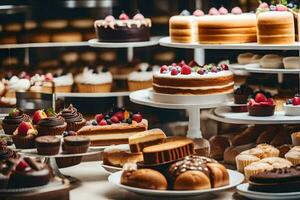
47, 145
261, 111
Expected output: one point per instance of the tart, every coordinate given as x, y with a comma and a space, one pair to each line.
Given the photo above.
261, 106
12, 121
292, 106
24, 136
47, 145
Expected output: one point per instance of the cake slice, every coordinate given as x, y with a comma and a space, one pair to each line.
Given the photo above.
168, 152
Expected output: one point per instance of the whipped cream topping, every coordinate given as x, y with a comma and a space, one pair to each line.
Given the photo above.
194, 75
64, 80
17, 84
143, 74
88, 77
128, 23
37, 80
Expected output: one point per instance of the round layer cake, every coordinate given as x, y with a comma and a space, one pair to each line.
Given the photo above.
195, 80
123, 29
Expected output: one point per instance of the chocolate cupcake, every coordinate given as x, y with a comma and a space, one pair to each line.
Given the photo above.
47, 145
73, 118
11, 122
24, 136
76, 144
241, 94
51, 126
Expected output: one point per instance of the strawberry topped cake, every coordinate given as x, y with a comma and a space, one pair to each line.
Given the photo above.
261, 105
292, 106
123, 29
193, 79
113, 127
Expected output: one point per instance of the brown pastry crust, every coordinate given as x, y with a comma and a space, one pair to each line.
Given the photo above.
192, 180
118, 157
218, 175
218, 144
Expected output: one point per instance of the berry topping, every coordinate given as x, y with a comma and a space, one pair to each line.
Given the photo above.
185, 13
251, 102
109, 18
22, 166
163, 69
120, 115
174, 71
181, 63
103, 122
94, 123
214, 69
244, 90
296, 101
123, 16
260, 97
223, 11
224, 66
213, 11
280, 7
48, 77
263, 5
23, 128
198, 13
236, 11
138, 16
15, 112
201, 71
174, 64
38, 115
114, 119
99, 117
137, 117
186, 70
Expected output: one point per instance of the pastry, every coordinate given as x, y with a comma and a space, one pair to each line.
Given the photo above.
201, 147
283, 149
224, 27
282, 137
292, 106
277, 162
242, 160
73, 118
54, 24
91, 81
267, 135
275, 25
47, 145
12, 121
249, 135
142, 78
293, 155
113, 127
123, 29
67, 36
291, 62
218, 144
256, 59
261, 106
255, 168
241, 94
168, 152
75, 144
118, 155
276, 181
51, 126
143, 178
271, 61
24, 136
193, 79
296, 138
231, 152
244, 58
144, 139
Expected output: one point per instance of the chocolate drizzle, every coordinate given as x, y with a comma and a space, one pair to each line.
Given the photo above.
51, 121
71, 114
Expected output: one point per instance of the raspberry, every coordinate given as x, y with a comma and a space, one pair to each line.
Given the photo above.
137, 117
103, 122
174, 72
99, 117
123, 16
186, 70
163, 69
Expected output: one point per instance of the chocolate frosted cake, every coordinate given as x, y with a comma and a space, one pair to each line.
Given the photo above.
12, 121
73, 118
51, 126
276, 180
123, 29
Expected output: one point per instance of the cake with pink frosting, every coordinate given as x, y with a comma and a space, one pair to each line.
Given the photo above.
123, 29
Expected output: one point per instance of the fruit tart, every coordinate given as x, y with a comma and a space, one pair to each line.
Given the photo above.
292, 106
261, 105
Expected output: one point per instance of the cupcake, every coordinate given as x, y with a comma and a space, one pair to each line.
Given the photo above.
58, 83
74, 119
91, 81
75, 144
293, 156
12, 121
261, 105
47, 145
256, 167
51, 126
241, 94
277, 163
243, 160
269, 150
142, 78
16, 84
296, 138
254, 152
24, 136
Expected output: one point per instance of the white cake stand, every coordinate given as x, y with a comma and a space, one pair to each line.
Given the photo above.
192, 103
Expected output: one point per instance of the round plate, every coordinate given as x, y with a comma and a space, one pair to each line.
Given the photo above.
231, 103
244, 191
272, 71
149, 98
236, 66
110, 169
235, 179
224, 114
33, 153
152, 42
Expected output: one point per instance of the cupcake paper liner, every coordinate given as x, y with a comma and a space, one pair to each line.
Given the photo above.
139, 85
9, 128
57, 130
75, 149
89, 88
21, 142
57, 89
53, 150
68, 162
75, 126
241, 164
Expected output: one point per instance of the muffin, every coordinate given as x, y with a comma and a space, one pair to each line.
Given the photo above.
277, 162
142, 78
51, 126
243, 160
254, 152
269, 150
296, 138
293, 156
75, 144
24, 136
11, 122
73, 118
47, 145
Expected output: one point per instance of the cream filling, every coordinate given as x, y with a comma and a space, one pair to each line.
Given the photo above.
196, 88
110, 136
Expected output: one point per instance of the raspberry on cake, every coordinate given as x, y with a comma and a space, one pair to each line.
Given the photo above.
113, 127
123, 29
261, 105
193, 79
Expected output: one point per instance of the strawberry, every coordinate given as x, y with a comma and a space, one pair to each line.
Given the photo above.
123, 16
22, 166
223, 11
198, 13
251, 102
173, 64
48, 77
114, 119
271, 102
137, 117
280, 7
260, 97
296, 101
214, 69
99, 117
109, 18
181, 63
23, 128
103, 122
186, 70
38, 115
163, 69
15, 112
174, 72
119, 115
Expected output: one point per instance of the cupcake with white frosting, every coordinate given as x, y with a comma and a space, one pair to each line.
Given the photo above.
142, 78
91, 81
16, 84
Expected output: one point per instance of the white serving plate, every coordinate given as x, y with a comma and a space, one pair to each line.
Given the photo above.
235, 179
244, 191
110, 169
272, 71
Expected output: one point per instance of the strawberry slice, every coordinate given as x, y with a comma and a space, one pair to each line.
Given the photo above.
260, 97
296, 101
